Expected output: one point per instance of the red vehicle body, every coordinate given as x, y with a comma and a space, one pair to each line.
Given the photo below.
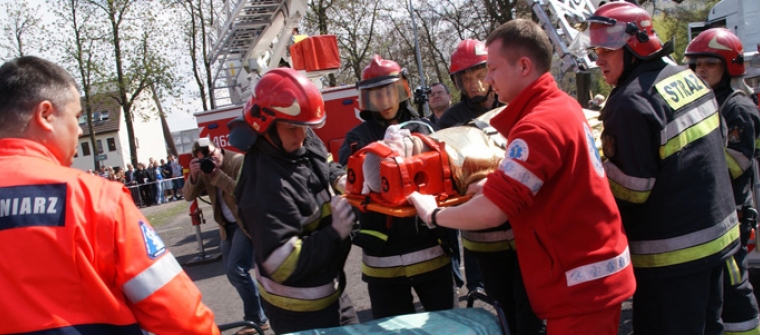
341, 105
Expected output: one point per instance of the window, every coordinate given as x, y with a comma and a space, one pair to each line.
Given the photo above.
85, 149
99, 145
111, 144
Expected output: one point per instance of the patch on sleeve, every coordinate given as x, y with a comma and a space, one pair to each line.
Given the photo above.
518, 149
735, 134
596, 161
153, 244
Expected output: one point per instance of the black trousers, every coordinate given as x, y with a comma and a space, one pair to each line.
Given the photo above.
740, 311
339, 313
396, 299
689, 304
503, 282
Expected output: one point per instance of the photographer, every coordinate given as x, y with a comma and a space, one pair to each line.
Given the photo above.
216, 171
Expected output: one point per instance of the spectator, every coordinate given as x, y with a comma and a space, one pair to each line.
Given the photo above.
439, 101
159, 175
177, 182
143, 179
237, 251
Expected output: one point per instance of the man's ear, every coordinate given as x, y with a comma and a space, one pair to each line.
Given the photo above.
525, 65
43, 115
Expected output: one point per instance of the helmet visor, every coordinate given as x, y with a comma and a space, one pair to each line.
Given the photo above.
607, 36
472, 81
702, 60
383, 98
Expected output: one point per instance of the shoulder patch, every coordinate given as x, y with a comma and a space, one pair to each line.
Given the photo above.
154, 246
518, 149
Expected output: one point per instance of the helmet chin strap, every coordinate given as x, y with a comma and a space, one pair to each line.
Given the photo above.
479, 99
273, 137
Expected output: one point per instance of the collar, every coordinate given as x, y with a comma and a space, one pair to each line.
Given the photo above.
24, 147
519, 107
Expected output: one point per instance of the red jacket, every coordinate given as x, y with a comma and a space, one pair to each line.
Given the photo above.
78, 255
551, 184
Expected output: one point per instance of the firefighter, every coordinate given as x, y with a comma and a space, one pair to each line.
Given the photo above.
79, 257
468, 72
284, 195
397, 256
666, 166
572, 250
493, 249
717, 56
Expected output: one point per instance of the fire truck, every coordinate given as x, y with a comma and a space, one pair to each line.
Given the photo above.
250, 37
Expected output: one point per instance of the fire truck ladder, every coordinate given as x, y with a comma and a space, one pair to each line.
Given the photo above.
561, 19
248, 37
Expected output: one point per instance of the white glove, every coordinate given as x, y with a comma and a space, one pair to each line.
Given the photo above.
425, 204
343, 217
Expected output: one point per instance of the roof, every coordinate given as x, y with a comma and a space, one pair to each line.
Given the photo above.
106, 116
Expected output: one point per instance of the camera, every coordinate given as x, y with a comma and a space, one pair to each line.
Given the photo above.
207, 162
421, 95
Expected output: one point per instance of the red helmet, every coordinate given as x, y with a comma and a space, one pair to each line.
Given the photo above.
621, 23
720, 43
283, 94
379, 73
469, 53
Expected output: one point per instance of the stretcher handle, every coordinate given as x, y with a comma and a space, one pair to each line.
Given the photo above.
480, 295
227, 326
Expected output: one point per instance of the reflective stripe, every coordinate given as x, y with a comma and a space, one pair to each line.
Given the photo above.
152, 279
490, 236
733, 272
599, 269
488, 246
299, 299
307, 293
405, 259
325, 212
516, 171
374, 233
684, 241
321, 198
279, 255
737, 162
749, 327
492, 241
698, 251
632, 189
280, 265
688, 128
408, 270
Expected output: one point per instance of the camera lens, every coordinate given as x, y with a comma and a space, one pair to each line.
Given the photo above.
207, 165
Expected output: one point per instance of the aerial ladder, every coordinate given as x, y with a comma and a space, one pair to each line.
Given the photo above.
248, 38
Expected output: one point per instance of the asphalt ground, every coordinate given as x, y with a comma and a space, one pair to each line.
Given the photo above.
173, 223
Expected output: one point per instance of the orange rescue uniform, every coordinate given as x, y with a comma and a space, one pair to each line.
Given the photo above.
79, 256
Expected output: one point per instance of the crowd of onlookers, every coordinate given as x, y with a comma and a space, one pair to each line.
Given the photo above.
151, 184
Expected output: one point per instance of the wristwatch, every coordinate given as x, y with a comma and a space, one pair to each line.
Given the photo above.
433, 222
